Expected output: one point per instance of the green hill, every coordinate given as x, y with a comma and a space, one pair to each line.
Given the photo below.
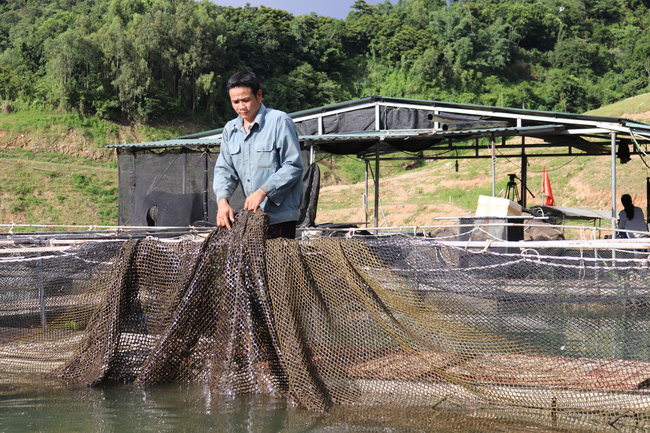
636, 108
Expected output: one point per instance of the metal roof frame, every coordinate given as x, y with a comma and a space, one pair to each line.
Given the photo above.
571, 124
567, 134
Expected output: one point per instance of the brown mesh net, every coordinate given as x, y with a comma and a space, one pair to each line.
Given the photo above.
374, 321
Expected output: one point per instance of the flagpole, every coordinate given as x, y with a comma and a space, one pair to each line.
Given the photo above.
543, 189
494, 168
547, 191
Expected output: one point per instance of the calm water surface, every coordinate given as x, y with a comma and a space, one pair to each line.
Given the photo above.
192, 408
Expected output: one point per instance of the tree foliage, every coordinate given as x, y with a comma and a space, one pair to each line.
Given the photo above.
151, 59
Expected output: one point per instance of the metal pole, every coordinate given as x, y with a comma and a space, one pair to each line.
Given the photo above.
647, 199
377, 118
613, 186
524, 168
184, 152
206, 186
133, 188
377, 184
377, 127
494, 174
365, 193
524, 172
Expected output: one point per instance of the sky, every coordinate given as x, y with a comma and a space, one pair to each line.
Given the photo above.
330, 8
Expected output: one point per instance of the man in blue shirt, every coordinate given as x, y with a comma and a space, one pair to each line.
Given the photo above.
259, 150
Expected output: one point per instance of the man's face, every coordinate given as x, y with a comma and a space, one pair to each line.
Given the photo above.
245, 103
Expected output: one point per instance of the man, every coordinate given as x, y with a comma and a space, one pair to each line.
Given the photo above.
259, 150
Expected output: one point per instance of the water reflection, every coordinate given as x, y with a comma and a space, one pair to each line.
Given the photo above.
178, 408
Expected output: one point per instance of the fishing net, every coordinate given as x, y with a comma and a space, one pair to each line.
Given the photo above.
382, 321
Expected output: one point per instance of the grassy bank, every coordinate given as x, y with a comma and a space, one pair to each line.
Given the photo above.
55, 169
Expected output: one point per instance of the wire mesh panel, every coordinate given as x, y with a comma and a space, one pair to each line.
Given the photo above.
397, 321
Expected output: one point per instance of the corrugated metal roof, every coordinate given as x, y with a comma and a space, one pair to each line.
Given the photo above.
429, 104
551, 122
429, 134
387, 136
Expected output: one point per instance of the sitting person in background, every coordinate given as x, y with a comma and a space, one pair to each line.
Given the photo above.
631, 218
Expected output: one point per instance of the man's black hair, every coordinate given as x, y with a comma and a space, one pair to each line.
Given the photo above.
244, 79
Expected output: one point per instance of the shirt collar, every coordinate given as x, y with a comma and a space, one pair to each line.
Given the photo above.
259, 119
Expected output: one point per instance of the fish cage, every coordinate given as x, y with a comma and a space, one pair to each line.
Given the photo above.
344, 317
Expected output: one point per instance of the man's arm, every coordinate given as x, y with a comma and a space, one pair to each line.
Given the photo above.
224, 182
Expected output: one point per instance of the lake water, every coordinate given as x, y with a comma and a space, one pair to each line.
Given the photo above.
192, 408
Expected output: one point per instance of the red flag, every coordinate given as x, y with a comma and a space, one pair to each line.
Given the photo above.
546, 189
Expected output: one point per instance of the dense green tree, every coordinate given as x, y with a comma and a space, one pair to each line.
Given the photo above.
74, 67
143, 59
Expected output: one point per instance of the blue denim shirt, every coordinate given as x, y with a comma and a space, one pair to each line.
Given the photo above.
268, 158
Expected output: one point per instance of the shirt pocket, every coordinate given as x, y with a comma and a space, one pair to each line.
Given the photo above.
265, 156
234, 147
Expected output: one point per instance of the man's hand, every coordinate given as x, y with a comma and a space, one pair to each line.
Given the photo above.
225, 214
254, 200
